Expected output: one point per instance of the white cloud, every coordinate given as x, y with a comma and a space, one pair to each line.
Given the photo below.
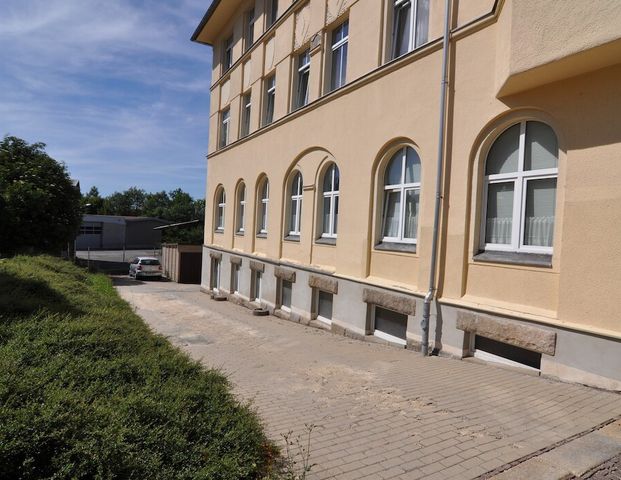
109, 85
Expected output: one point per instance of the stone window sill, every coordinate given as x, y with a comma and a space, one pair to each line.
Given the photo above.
396, 247
325, 241
219, 230
515, 258
292, 238
261, 235
239, 234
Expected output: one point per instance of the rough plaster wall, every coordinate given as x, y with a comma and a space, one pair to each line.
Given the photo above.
336, 8
225, 93
551, 29
269, 54
302, 26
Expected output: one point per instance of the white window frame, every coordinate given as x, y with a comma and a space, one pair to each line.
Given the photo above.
263, 204
246, 111
241, 209
249, 29
295, 201
330, 196
402, 188
520, 181
270, 93
220, 210
225, 127
338, 45
301, 98
398, 4
227, 53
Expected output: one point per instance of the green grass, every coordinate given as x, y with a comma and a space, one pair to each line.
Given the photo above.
87, 391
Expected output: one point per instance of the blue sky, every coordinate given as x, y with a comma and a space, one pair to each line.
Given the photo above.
114, 88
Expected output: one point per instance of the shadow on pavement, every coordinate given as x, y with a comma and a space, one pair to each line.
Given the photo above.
125, 281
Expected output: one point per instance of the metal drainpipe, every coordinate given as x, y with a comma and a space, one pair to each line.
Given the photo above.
436, 220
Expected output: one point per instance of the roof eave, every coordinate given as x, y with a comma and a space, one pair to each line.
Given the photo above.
201, 25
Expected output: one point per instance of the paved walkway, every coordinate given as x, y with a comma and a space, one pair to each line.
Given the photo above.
380, 412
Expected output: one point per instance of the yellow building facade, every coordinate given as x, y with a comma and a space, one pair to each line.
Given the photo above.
323, 163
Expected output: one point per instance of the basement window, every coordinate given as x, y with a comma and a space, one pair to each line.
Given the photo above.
324, 306
286, 291
215, 275
390, 326
256, 287
499, 352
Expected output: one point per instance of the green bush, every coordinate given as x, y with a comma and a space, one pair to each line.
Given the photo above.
87, 391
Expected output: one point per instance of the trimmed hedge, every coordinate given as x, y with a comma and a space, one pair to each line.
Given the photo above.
87, 391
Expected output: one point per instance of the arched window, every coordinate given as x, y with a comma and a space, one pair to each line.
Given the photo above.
520, 189
401, 197
330, 199
220, 206
241, 208
264, 198
295, 207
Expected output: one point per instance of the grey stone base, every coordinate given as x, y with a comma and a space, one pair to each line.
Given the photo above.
568, 355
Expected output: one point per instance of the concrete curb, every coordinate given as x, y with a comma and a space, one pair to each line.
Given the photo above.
570, 460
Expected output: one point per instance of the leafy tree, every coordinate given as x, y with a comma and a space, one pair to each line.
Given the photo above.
39, 204
92, 202
127, 203
156, 204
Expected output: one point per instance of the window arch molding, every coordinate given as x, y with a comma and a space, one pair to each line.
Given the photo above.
328, 199
537, 191
219, 209
262, 201
241, 207
398, 200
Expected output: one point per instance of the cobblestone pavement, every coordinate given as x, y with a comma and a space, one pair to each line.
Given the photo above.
380, 412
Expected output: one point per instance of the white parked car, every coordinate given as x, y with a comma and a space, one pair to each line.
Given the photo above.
145, 267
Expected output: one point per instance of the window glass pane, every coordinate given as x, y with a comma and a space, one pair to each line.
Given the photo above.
295, 185
390, 322
503, 156
336, 64
235, 286
343, 72
286, 290
412, 166
336, 213
327, 179
391, 215
402, 23
422, 22
337, 178
393, 172
499, 222
410, 225
541, 147
540, 206
258, 278
293, 219
325, 305
263, 221
303, 89
326, 214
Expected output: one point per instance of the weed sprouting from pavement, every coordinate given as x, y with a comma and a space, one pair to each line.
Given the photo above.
298, 453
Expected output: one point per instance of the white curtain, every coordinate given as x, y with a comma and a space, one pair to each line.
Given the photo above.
498, 230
